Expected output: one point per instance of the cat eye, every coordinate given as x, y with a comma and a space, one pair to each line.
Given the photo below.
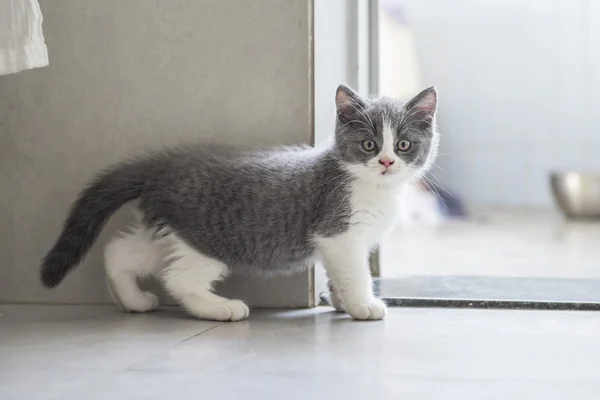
403, 145
368, 145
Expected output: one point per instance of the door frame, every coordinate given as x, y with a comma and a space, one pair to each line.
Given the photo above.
363, 65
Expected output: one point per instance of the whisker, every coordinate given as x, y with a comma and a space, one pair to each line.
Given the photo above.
431, 188
360, 122
437, 166
408, 112
363, 112
343, 182
415, 121
428, 183
334, 178
438, 185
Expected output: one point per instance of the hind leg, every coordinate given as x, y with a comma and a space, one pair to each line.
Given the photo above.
130, 256
189, 278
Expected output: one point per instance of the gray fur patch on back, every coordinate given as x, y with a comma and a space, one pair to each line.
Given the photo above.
255, 211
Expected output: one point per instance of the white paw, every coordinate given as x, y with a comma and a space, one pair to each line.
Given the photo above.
371, 310
138, 302
147, 302
231, 310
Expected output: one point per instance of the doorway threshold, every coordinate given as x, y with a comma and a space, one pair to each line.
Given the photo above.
488, 293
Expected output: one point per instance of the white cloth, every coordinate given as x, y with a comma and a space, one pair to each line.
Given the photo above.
22, 43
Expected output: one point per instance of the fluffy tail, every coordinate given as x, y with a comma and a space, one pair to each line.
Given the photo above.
88, 215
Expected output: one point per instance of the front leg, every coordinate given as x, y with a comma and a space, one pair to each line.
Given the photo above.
334, 297
347, 267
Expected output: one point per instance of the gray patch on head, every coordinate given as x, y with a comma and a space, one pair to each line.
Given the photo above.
364, 119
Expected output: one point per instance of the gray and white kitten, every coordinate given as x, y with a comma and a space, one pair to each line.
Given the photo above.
206, 211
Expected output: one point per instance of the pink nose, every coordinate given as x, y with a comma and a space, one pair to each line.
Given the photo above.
386, 162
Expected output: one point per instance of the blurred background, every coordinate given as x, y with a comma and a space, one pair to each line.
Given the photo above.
517, 81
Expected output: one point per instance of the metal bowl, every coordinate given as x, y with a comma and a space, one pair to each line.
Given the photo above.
577, 194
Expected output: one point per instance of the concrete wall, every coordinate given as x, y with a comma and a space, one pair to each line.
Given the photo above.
136, 74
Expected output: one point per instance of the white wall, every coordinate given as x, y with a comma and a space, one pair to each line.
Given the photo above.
331, 61
399, 69
517, 82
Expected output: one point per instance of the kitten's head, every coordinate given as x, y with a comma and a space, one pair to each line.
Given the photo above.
383, 140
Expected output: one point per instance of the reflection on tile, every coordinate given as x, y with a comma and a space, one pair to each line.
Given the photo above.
144, 385
77, 338
72, 352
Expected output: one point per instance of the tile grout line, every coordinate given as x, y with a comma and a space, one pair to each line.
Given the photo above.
170, 346
199, 333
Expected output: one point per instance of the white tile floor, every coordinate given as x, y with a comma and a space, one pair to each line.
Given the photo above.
509, 243
94, 352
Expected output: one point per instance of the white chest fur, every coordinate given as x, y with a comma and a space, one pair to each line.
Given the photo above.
375, 210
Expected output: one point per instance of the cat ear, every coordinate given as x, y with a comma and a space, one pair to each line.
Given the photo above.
423, 106
348, 104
